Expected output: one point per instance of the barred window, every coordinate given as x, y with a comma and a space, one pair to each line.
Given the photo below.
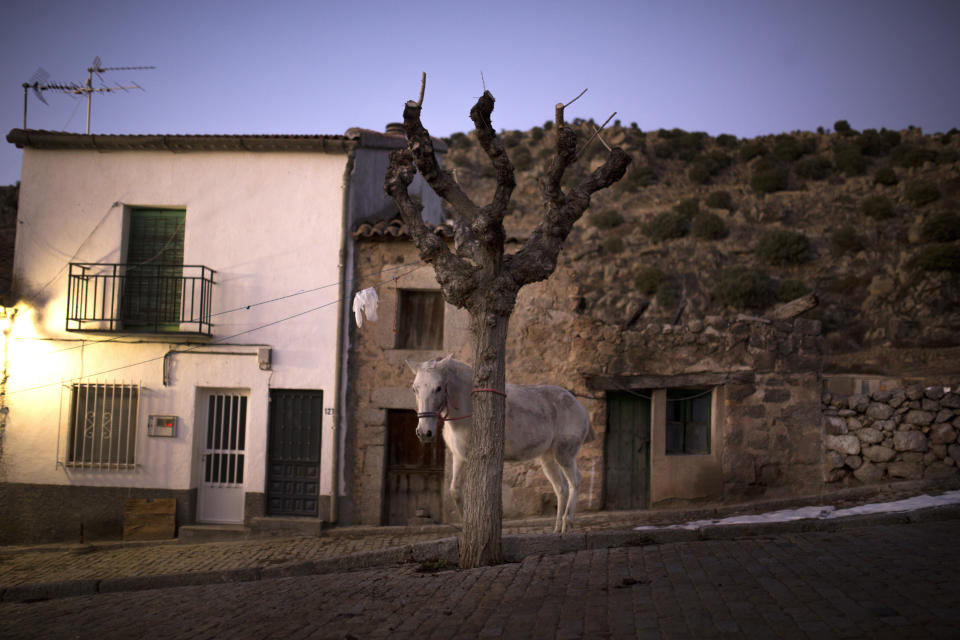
103, 425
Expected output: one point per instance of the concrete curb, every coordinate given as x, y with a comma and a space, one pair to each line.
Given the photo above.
516, 547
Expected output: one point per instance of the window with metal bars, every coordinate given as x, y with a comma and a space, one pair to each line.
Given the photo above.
103, 426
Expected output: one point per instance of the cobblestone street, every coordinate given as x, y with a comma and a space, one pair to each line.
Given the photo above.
887, 581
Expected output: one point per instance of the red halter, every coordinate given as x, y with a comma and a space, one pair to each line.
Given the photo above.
441, 413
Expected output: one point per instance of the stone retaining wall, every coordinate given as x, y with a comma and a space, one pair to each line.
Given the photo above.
909, 433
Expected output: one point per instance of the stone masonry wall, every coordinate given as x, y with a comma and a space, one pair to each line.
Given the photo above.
909, 433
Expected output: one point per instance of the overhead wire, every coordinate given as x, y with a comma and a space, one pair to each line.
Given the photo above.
202, 345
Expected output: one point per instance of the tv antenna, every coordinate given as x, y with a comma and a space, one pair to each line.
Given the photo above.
38, 82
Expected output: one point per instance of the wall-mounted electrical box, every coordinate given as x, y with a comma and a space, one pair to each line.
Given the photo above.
162, 426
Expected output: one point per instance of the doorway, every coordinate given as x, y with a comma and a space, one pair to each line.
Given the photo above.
220, 493
627, 451
414, 471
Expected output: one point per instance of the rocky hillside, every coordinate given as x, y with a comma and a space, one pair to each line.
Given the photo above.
867, 221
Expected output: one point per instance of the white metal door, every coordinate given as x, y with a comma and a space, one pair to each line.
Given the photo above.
220, 493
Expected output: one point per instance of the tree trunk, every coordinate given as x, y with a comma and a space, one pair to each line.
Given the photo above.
480, 540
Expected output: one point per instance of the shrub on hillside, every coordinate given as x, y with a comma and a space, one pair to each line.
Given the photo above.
726, 141
877, 207
943, 226
708, 226
688, 207
843, 128
680, 144
909, 155
606, 219
751, 149
768, 177
813, 167
648, 280
637, 177
789, 148
921, 192
667, 225
877, 144
780, 247
521, 157
612, 245
720, 200
669, 293
938, 257
845, 240
849, 160
789, 290
707, 165
885, 176
460, 140
744, 288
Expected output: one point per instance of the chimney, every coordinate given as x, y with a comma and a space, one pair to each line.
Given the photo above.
395, 128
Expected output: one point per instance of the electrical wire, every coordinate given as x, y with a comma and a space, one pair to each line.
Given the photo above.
194, 348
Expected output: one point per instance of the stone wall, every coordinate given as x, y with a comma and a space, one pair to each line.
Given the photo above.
909, 433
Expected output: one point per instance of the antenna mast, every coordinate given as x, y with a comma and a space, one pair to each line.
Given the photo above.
38, 82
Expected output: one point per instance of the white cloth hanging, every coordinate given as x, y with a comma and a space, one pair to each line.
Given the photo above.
365, 304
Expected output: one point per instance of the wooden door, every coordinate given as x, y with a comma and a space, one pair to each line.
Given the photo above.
414, 471
627, 451
293, 452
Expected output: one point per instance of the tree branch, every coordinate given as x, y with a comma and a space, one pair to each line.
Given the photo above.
491, 145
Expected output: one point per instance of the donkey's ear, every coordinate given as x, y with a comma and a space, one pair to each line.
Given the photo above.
415, 367
445, 360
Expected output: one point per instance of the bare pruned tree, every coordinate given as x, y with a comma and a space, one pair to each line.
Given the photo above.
478, 277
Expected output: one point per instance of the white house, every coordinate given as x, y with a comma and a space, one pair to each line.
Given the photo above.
178, 330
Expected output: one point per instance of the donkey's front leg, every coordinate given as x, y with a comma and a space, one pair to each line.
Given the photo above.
455, 484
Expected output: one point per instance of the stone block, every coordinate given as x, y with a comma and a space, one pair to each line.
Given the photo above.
917, 416
944, 415
939, 470
845, 444
836, 425
934, 393
870, 435
833, 460
878, 411
776, 395
853, 462
878, 453
914, 392
909, 441
882, 396
953, 451
858, 402
885, 425
906, 470
854, 424
897, 399
869, 472
950, 400
943, 434
930, 405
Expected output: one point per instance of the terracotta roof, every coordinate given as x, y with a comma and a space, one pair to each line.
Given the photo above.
389, 229
41, 139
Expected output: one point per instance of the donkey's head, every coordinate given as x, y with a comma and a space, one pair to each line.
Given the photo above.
430, 388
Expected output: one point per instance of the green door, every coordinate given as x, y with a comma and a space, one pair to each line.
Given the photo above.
154, 276
627, 451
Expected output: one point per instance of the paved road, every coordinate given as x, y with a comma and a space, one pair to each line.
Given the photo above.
890, 581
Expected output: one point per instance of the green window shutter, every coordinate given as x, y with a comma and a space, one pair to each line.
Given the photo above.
154, 274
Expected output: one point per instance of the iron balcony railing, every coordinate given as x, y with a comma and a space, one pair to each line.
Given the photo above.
139, 298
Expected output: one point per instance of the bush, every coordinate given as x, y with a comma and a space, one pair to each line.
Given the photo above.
612, 245
885, 176
947, 156
511, 139
744, 288
637, 177
536, 134
666, 226
707, 165
872, 143
720, 200
788, 148
943, 226
768, 177
688, 208
669, 294
606, 219
460, 141
780, 247
845, 240
843, 128
727, 141
791, 290
877, 207
522, 158
849, 160
813, 168
460, 159
708, 226
911, 155
751, 149
680, 144
938, 257
648, 280
921, 192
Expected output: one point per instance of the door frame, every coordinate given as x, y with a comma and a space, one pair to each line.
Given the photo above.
223, 504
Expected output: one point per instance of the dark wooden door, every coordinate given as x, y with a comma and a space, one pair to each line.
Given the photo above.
627, 451
293, 452
414, 472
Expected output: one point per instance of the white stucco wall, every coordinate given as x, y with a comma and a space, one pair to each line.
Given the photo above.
268, 223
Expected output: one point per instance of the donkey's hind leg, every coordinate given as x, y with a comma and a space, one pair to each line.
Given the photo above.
571, 477
554, 473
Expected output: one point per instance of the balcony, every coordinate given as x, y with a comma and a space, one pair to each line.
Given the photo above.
139, 298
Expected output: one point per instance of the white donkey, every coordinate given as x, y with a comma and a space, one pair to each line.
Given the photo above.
541, 421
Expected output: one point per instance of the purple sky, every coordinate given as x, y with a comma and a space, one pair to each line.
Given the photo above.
742, 67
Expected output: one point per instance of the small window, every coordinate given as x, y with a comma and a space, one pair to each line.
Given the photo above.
103, 426
419, 320
688, 421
